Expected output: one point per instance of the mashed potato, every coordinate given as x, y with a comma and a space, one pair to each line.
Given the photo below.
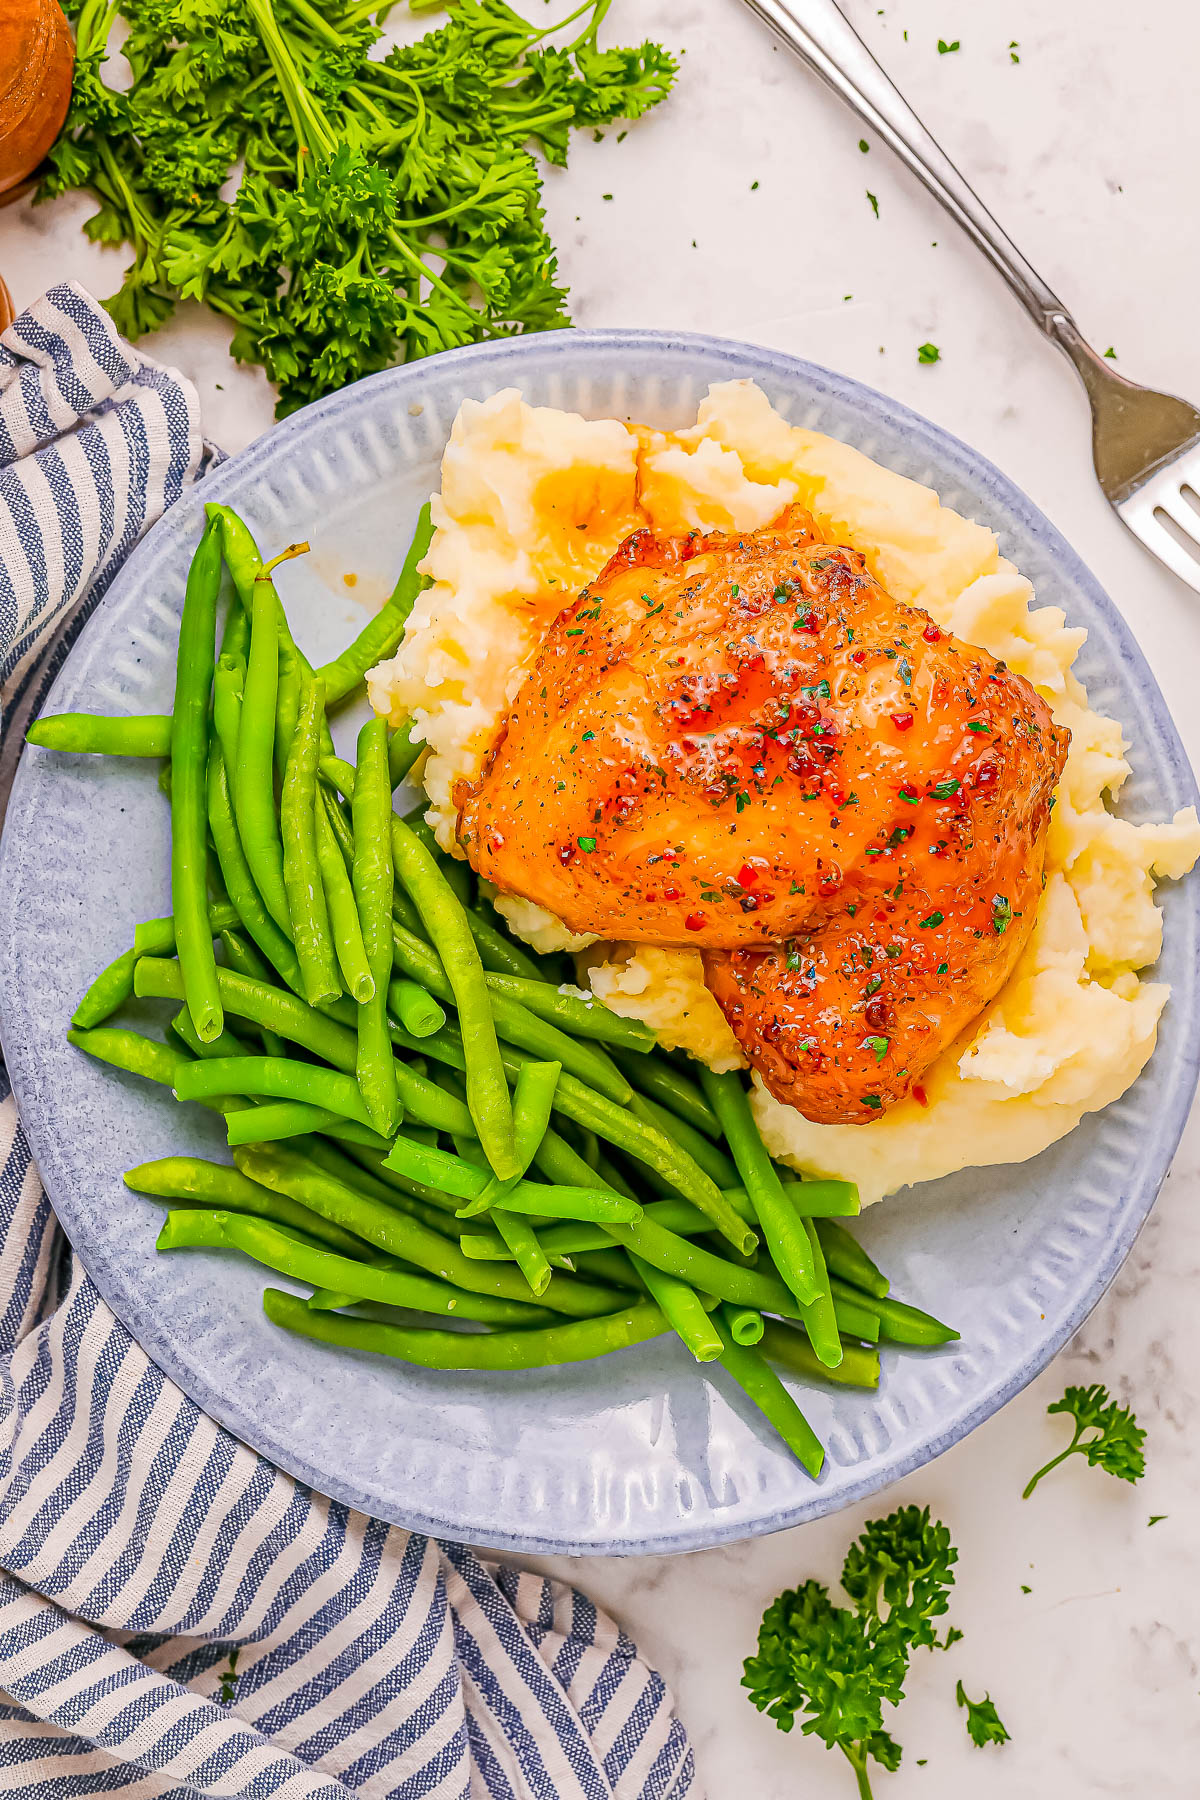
534, 501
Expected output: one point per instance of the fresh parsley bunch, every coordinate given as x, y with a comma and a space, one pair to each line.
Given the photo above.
836, 1666
345, 211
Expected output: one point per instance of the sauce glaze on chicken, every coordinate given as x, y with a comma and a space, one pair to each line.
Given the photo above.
741, 743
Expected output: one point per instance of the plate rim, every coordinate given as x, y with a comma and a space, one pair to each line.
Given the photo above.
951, 450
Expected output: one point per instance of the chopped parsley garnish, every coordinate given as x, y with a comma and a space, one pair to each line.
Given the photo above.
928, 353
873, 985
874, 203
944, 789
1001, 912
984, 1725
977, 725
873, 1101
880, 1046
931, 921
586, 843
945, 49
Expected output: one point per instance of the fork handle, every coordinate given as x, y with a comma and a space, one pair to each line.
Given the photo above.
819, 34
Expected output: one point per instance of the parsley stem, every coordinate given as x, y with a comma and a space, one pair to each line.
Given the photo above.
319, 24
856, 1756
1053, 1463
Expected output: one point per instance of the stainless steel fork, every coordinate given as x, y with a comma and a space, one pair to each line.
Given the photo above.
1145, 445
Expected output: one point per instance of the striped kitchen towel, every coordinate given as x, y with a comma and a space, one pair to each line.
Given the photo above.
176, 1616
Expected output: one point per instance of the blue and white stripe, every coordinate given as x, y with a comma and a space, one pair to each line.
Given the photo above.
176, 1616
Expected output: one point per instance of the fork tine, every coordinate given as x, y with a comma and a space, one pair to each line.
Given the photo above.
1172, 502
1138, 514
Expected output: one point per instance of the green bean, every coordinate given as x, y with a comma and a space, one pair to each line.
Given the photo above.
521, 1239
324, 1268
898, 1323
401, 1235
276, 1076
248, 998
371, 1163
701, 1149
373, 884
189, 746
235, 639
111, 988
513, 1025
538, 1038
144, 1056
225, 1045
820, 1315
417, 1010
466, 1181
343, 909
663, 1083
487, 1087
238, 877
845, 1256
349, 1171
281, 1012
533, 1098
455, 869
339, 824
760, 1384
498, 954
156, 937
253, 781
789, 1348
682, 1310
787, 1241
229, 681
612, 1266
536, 1348
341, 773
381, 635
285, 1119
191, 1178
580, 1014
244, 959
652, 1147
745, 1324
403, 752
856, 1315
95, 734
302, 882
287, 703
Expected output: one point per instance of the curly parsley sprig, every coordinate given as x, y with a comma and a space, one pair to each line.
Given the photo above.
1116, 1439
836, 1666
386, 207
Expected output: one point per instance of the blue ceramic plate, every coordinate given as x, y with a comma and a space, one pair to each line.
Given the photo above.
638, 1452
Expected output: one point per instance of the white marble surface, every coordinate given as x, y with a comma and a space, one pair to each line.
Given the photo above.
1087, 150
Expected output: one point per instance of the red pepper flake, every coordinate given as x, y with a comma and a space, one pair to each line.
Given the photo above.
695, 921
919, 1094
746, 876
670, 893
932, 634
902, 721
858, 656
829, 884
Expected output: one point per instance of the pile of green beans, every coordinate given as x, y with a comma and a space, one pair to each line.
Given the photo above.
426, 1126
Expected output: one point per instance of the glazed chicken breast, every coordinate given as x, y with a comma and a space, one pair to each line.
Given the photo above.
743, 744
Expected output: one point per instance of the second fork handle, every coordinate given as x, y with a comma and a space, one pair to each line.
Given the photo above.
823, 38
